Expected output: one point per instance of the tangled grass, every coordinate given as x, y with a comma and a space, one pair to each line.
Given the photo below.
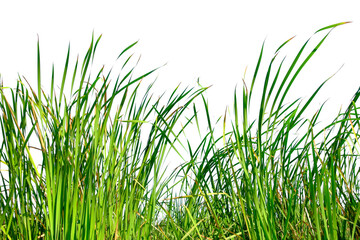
91, 166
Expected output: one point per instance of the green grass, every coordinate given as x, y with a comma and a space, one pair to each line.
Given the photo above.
89, 163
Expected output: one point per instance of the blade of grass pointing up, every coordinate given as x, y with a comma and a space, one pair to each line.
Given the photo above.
64, 74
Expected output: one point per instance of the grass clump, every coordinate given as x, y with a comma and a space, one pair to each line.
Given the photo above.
91, 166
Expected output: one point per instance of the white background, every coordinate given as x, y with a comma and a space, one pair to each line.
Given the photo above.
212, 40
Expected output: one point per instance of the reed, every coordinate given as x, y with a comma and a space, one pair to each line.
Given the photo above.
89, 164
